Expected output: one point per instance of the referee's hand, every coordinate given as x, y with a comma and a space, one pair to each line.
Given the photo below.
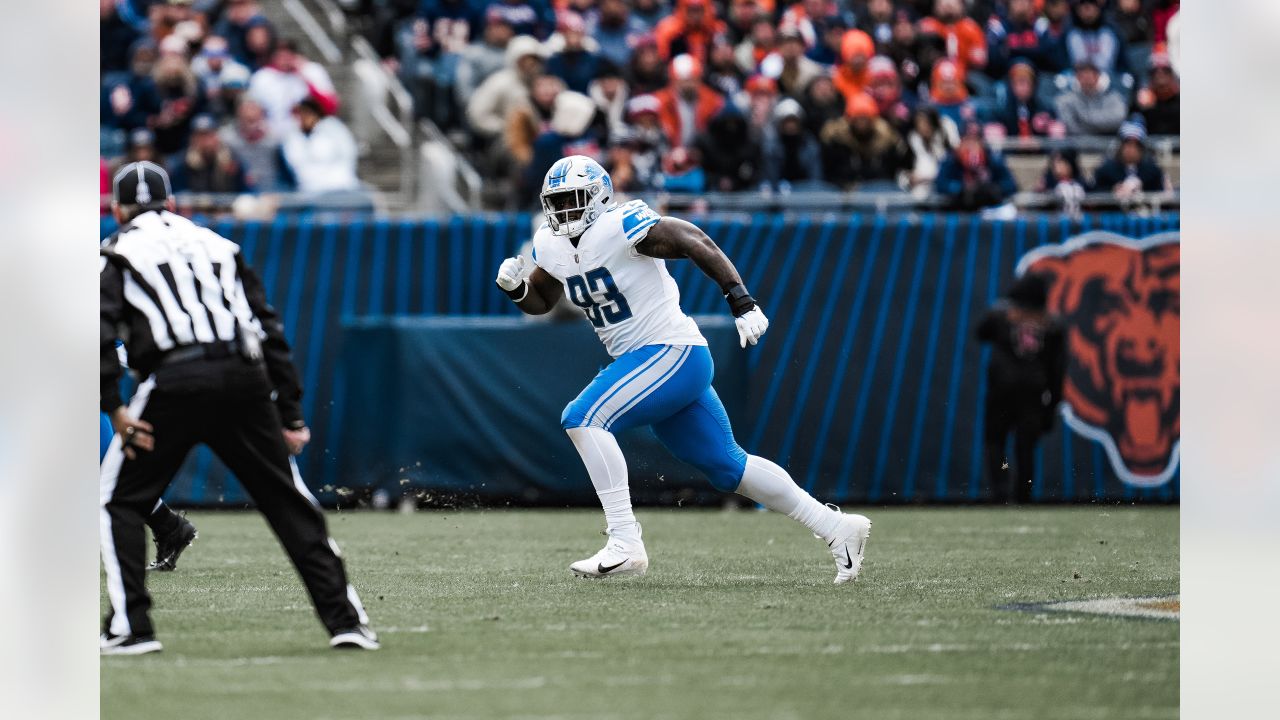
134, 433
297, 439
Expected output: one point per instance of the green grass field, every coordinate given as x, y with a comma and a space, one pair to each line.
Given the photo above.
737, 618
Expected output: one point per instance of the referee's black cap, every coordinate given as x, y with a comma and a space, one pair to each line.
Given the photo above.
145, 184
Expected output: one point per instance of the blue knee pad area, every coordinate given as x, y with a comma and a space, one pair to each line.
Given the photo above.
669, 388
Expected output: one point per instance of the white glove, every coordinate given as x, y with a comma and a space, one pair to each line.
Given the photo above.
751, 325
511, 273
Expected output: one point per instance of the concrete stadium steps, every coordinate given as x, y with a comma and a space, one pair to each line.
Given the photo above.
379, 164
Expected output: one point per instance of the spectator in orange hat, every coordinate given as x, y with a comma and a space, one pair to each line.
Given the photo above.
762, 95
856, 50
862, 146
686, 105
948, 93
966, 43
688, 30
1160, 101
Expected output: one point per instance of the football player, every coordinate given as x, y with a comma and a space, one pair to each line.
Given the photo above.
610, 260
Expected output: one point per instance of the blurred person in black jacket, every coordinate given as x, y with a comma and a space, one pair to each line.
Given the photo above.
1024, 383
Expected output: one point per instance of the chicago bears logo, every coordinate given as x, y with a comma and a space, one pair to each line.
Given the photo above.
1119, 300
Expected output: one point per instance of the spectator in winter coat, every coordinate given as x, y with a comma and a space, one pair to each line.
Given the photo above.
904, 51
877, 22
260, 43
115, 36
610, 94
1091, 107
617, 30
688, 30
790, 155
815, 19
886, 89
723, 74
1130, 171
574, 64
862, 146
649, 12
287, 81
973, 177
646, 73
208, 166
966, 42
1160, 101
1132, 21
1052, 30
638, 150
830, 37
528, 122
1092, 39
931, 139
1014, 38
181, 99
1023, 115
237, 18
762, 41
686, 105
1063, 178
320, 152
212, 65
505, 90
822, 104
797, 70
250, 139
569, 133
730, 152
481, 59
130, 99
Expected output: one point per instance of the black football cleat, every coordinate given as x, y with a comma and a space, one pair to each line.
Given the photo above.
170, 546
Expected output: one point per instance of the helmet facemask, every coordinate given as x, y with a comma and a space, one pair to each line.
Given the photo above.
571, 210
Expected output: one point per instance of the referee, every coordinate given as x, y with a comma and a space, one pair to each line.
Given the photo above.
197, 326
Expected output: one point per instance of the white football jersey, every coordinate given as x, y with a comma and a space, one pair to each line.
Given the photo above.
630, 298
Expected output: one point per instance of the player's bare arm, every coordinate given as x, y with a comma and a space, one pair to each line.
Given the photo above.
675, 239
535, 295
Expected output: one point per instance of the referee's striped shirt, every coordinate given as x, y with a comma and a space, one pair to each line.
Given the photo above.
168, 283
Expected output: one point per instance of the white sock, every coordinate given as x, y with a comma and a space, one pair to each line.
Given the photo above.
768, 484
608, 470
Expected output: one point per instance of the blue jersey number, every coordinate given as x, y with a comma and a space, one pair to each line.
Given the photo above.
612, 309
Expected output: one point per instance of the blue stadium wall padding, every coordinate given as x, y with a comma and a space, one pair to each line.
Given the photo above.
868, 387
470, 407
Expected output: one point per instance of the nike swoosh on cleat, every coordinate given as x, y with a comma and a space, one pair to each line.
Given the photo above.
602, 569
849, 558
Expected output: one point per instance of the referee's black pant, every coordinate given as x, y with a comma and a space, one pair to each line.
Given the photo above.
227, 405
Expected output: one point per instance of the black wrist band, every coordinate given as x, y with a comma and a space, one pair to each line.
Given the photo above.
523, 292
740, 301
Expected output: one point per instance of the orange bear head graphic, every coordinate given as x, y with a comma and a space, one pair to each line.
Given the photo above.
1119, 301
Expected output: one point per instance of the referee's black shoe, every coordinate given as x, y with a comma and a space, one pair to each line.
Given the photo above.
360, 637
170, 545
128, 644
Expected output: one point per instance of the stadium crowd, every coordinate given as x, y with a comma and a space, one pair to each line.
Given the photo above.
691, 96
208, 90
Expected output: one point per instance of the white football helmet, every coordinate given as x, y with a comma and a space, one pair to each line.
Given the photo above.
575, 192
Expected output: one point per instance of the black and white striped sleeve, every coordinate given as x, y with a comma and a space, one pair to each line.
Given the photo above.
275, 349
111, 312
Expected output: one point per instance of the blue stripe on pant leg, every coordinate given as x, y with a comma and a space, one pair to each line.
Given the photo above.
666, 390
700, 434
608, 380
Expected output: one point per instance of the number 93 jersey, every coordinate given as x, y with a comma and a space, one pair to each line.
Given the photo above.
630, 299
